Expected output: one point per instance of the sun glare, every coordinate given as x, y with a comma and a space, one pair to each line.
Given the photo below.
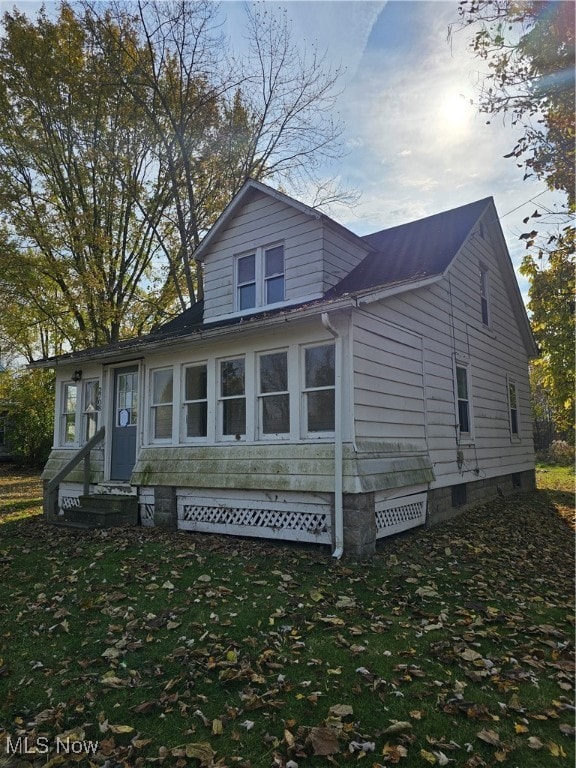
455, 111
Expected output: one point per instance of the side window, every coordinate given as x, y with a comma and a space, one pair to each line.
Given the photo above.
68, 414
513, 408
161, 404
484, 296
195, 401
233, 397
319, 387
274, 400
463, 401
91, 408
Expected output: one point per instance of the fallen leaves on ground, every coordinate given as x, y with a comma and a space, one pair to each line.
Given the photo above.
451, 647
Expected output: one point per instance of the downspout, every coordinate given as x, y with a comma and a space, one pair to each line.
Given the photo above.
338, 448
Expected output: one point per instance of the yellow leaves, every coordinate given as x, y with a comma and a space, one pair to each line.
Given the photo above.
555, 749
490, 737
519, 728
428, 756
393, 753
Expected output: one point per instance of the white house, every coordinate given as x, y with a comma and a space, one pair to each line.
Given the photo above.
329, 388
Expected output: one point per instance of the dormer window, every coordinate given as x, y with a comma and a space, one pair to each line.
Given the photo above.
260, 278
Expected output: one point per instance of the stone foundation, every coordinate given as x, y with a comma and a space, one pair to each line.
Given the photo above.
447, 503
165, 507
359, 525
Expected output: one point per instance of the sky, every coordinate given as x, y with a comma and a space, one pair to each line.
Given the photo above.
414, 144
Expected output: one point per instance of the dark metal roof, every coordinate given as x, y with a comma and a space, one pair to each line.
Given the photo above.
412, 251
401, 255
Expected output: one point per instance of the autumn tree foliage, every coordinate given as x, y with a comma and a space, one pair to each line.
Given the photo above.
125, 128
529, 49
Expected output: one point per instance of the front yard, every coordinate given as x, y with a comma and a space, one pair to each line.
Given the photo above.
453, 646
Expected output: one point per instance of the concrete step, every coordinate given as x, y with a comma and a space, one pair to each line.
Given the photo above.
101, 510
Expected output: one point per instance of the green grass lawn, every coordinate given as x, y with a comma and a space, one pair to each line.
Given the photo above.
452, 646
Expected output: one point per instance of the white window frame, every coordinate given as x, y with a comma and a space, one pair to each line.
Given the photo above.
261, 280
184, 403
305, 390
238, 437
65, 414
464, 364
87, 414
261, 396
484, 294
512, 384
153, 406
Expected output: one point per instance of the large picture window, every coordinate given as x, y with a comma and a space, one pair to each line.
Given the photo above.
195, 401
260, 278
68, 413
319, 385
274, 400
161, 407
233, 397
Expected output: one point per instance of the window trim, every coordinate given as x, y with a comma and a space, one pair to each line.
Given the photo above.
484, 295
153, 405
261, 396
86, 414
63, 414
511, 383
184, 438
221, 399
463, 438
304, 390
261, 280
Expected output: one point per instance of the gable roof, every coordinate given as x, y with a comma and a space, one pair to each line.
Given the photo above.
413, 251
398, 259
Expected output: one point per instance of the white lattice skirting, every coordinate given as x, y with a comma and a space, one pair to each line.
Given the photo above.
256, 517
396, 515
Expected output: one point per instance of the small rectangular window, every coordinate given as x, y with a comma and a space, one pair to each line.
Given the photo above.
68, 417
463, 400
91, 408
319, 388
233, 397
161, 406
513, 406
484, 297
273, 394
274, 274
247, 281
195, 401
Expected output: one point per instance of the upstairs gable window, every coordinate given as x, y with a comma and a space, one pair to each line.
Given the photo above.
484, 303
260, 278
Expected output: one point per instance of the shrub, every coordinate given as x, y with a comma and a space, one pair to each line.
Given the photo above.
28, 398
561, 453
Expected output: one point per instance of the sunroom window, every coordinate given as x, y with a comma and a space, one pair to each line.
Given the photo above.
274, 399
195, 401
161, 407
233, 397
91, 408
68, 413
319, 386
